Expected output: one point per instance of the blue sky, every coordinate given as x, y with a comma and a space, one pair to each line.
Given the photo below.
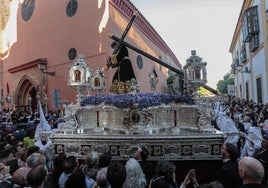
206, 26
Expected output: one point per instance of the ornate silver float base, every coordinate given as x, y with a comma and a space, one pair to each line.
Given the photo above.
194, 146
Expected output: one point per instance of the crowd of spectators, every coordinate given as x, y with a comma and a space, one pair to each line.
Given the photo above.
25, 159
246, 126
245, 112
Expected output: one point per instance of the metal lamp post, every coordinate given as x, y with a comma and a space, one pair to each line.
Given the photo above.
8, 99
46, 100
30, 103
37, 105
2, 103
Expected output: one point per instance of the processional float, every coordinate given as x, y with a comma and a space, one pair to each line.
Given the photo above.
172, 127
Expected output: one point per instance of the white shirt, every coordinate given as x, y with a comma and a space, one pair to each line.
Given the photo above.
63, 178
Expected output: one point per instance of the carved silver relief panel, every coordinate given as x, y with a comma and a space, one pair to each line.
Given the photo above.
160, 147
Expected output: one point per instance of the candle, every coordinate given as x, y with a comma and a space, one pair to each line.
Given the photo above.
175, 118
7, 88
98, 122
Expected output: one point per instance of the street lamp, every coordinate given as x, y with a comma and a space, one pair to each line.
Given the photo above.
2, 103
42, 67
30, 103
37, 106
45, 100
8, 99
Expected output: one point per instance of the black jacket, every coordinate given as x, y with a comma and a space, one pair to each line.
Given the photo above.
228, 175
262, 156
254, 186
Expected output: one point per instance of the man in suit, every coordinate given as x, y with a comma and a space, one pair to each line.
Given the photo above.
141, 155
228, 174
262, 155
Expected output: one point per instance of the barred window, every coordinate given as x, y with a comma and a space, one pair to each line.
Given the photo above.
71, 8
27, 9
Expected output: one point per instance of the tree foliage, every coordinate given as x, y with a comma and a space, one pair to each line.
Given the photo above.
175, 89
170, 83
222, 85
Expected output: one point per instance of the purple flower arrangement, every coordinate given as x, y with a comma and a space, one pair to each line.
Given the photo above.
144, 100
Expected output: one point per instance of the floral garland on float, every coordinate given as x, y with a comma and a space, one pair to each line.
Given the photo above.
143, 100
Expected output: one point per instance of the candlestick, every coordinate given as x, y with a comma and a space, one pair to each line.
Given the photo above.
98, 121
7, 88
175, 118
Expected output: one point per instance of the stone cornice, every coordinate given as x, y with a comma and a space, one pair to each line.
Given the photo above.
27, 65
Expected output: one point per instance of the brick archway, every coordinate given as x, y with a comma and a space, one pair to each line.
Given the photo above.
26, 87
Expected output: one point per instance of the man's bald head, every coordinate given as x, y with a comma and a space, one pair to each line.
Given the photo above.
251, 170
